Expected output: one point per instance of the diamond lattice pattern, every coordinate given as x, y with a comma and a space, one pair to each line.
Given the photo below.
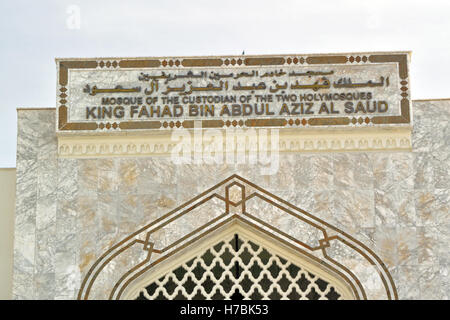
237, 269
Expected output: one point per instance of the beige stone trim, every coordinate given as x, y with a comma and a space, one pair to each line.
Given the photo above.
290, 140
7, 215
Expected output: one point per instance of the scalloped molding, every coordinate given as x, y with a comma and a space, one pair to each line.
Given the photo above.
356, 139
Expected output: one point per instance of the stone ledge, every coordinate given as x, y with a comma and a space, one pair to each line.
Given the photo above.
96, 146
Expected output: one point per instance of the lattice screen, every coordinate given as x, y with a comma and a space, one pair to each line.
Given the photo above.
237, 269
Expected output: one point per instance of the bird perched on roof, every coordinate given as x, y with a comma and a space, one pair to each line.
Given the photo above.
243, 53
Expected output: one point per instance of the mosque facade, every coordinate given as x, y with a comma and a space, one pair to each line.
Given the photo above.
234, 177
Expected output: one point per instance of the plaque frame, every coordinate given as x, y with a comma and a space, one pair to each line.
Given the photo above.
171, 63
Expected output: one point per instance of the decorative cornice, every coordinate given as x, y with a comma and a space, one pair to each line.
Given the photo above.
97, 146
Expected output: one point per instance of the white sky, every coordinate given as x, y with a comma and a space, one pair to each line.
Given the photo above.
33, 33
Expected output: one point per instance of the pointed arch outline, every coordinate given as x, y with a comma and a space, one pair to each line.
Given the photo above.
327, 236
248, 233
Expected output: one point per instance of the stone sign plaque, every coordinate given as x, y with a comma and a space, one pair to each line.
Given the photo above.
294, 91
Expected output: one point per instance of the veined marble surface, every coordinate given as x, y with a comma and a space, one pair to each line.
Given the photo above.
70, 211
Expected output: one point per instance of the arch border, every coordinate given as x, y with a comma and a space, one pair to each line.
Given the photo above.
242, 227
237, 210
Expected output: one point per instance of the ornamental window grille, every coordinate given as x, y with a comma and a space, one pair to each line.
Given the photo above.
237, 268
